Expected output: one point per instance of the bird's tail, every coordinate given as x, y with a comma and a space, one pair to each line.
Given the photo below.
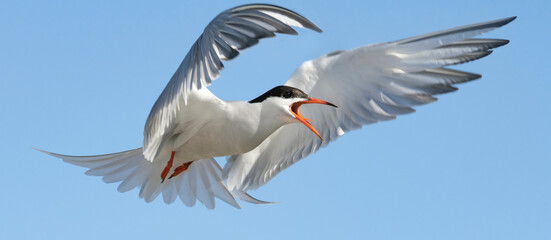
201, 181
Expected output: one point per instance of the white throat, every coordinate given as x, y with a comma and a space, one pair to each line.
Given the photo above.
251, 123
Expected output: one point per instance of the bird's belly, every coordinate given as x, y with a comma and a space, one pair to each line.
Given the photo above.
196, 149
207, 143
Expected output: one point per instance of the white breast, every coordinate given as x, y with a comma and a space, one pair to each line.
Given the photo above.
236, 128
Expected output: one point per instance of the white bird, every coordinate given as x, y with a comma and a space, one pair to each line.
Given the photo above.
188, 126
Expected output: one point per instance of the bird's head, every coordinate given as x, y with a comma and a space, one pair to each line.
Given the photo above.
285, 101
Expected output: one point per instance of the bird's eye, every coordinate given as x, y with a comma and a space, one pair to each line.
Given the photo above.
287, 94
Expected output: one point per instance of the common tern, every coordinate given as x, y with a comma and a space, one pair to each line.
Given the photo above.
189, 126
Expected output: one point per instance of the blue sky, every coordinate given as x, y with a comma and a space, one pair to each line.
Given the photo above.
79, 77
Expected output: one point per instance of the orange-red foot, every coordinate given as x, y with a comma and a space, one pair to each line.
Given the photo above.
180, 169
168, 167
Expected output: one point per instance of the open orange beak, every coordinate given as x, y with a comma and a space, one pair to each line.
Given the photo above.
294, 110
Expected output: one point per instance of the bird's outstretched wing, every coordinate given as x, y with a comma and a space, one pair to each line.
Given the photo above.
369, 84
232, 30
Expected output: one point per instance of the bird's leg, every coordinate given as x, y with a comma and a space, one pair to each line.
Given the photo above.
168, 167
180, 169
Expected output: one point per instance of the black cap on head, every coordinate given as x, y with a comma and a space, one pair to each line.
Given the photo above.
281, 91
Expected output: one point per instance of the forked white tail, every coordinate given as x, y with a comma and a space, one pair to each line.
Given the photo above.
201, 181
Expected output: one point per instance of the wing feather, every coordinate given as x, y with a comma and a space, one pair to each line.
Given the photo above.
369, 84
232, 30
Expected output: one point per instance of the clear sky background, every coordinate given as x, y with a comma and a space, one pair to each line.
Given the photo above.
79, 77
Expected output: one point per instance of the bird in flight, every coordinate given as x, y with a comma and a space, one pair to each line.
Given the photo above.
189, 126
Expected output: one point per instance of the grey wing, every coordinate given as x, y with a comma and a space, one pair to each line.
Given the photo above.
369, 84
232, 30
